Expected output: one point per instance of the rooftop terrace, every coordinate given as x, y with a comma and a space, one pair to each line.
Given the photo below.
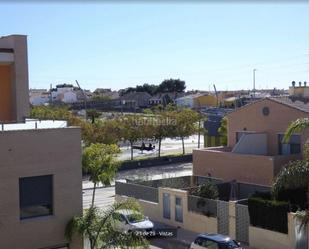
34, 124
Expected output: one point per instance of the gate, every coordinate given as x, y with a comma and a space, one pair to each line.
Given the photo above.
242, 223
223, 217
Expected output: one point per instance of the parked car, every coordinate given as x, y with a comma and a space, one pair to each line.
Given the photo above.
214, 241
128, 220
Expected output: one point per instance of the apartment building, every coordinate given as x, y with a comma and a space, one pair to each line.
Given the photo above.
40, 164
255, 152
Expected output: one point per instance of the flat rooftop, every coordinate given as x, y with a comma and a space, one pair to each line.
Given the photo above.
34, 124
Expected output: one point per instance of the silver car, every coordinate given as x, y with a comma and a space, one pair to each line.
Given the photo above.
128, 220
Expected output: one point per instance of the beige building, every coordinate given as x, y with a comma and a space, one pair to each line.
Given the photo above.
40, 166
255, 152
14, 96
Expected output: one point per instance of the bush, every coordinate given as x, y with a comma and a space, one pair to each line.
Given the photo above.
207, 190
296, 197
268, 214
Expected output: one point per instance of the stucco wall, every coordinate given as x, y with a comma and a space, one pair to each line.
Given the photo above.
251, 118
34, 153
265, 239
19, 75
191, 221
231, 166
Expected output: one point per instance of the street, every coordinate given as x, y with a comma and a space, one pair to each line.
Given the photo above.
168, 146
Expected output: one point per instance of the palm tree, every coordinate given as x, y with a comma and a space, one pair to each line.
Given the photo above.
297, 126
99, 228
100, 163
300, 125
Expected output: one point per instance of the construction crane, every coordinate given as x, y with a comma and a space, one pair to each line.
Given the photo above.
85, 99
216, 95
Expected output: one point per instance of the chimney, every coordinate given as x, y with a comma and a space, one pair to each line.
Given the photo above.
305, 83
299, 83
293, 83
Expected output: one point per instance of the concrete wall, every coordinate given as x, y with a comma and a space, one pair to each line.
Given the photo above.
229, 166
251, 118
265, 239
252, 143
27, 153
19, 75
191, 221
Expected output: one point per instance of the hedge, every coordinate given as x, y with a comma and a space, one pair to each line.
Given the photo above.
268, 214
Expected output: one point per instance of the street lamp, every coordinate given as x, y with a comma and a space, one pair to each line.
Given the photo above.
254, 70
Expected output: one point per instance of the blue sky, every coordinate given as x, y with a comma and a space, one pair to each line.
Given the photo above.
120, 45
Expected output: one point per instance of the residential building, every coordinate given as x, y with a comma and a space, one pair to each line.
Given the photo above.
300, 91
197, 101
165, 98
65, 93
255, 151
40, 167
134, 100
14, 78
39, 96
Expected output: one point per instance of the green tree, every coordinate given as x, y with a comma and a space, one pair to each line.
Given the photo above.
99, 228
172, 85
93, 114
185, 124
223, 131
297, 126
100, 163
132, 129
162, 127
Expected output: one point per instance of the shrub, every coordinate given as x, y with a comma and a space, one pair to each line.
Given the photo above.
207, 190
268, 214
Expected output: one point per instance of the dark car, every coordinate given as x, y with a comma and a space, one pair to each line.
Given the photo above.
214, 241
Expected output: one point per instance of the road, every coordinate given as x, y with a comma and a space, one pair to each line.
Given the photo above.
168, 146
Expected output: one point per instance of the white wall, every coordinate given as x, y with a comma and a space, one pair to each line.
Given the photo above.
251, 143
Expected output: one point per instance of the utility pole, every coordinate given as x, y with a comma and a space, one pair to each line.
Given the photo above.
254, 70
85, 99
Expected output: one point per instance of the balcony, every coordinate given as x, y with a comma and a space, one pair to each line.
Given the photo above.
221, 162
34, 124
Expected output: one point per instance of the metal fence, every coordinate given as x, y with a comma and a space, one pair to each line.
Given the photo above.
137, 191
203, 206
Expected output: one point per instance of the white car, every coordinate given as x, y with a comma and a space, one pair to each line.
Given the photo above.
128, 220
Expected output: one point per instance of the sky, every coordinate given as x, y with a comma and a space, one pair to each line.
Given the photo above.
117, 45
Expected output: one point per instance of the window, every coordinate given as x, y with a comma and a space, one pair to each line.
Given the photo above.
166, 206
209, 244
293, 147
35, 196
178, 209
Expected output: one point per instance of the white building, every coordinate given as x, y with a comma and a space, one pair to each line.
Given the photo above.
64, 93
38, 96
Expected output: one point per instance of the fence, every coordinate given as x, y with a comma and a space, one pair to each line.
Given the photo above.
137, 191
203, 206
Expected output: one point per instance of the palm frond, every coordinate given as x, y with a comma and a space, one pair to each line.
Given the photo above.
296, 126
